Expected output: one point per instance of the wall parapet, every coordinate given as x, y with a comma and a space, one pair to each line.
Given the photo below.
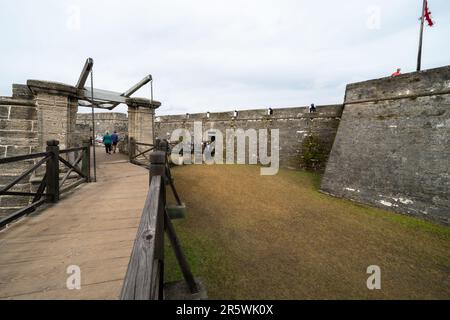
430, 82
12, 101
391, 149
325, 111
305, 138
50, 87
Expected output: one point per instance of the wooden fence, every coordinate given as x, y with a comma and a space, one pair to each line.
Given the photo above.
144, 279
139, 152
51, 185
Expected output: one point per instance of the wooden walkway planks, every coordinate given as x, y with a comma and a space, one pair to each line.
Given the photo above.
94, 227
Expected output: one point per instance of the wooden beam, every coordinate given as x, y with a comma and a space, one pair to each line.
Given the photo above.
103, 95
137, 86
85, 73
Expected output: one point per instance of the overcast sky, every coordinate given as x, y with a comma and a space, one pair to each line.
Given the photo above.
212, 55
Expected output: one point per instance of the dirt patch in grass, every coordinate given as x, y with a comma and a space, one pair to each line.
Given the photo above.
276, 237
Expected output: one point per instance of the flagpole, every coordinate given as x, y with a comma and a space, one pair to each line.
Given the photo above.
422, 20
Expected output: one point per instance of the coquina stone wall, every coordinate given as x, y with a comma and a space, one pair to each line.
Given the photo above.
104, 122
18, 136
392, 149
305, 138
35, 113
43, 110
387, 146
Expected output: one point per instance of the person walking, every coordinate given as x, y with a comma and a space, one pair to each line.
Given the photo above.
115, 140
107, 140
312, 108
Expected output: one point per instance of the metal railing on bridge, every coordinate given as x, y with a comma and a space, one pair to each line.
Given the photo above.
144, 279
51, 184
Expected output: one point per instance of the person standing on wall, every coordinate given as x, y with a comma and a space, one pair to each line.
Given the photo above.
107, 140
397, 73
115, 140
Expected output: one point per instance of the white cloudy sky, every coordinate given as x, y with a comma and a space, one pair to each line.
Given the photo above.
209, 55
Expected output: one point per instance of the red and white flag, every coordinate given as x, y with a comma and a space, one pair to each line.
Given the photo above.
427, 14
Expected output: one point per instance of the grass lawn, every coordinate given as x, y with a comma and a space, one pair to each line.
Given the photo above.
276, 237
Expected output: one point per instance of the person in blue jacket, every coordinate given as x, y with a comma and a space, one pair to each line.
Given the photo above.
115, 140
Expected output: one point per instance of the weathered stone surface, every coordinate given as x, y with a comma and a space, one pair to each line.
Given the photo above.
16, 168
7, 134
422, 83
14, 201
297, 127
56, 118
143, 103
2, 151
16, 101
23, 112
13, 151
21, 125
50, 87
110, 121
16, 140
4, 112
9, 202
395, 154
22, 91
5, 179
17, 187
4, 212
140, 123
27, 120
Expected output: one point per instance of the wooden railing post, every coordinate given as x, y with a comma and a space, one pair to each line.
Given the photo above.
86, 161
157, 142
157, 164
132, 148
52, 171
163, 146
158, 168
145, 274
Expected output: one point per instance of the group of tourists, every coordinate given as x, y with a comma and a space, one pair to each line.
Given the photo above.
110, 142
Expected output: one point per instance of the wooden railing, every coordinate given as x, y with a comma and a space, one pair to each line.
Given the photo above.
51, 185
144, 279
139, 152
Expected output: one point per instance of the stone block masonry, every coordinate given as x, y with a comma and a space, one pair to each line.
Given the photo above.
305, 138
387, 146
141, 113
57, 112
18, 136
41, 111
107, 121
392, 149
36, 112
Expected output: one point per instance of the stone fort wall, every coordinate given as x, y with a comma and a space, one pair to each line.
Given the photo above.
35, 113
392, 148
104, 122
18, 136
387, 146
305, 138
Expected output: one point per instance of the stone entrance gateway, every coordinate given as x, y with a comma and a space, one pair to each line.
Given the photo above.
48, 111
41, 111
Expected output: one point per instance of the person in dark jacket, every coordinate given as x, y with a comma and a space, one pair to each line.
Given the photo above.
107, 140
115, 140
